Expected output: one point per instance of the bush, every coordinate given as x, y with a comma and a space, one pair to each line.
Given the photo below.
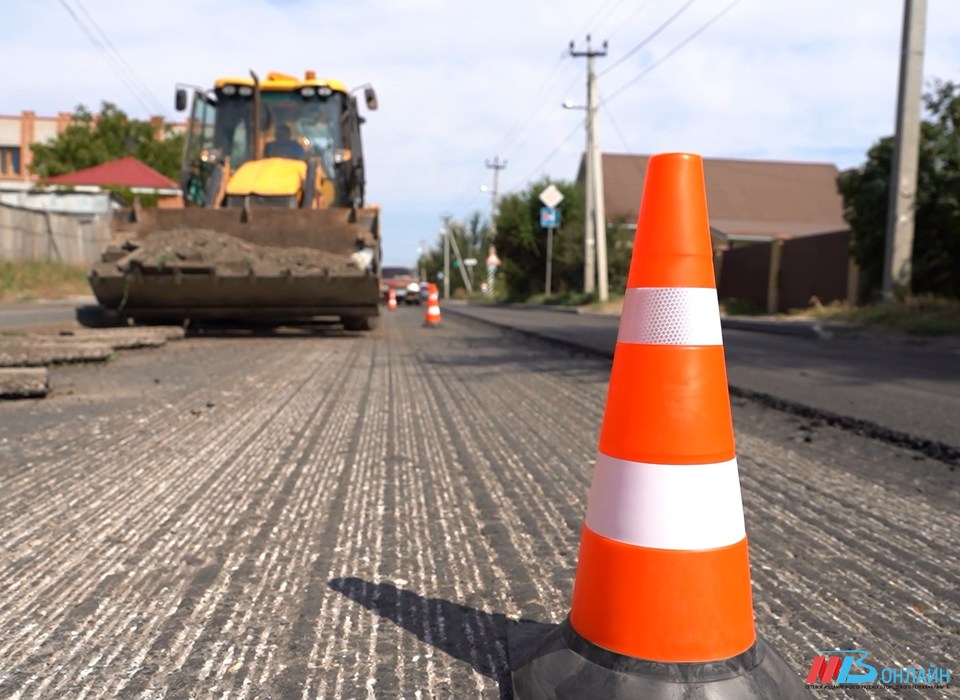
741, 307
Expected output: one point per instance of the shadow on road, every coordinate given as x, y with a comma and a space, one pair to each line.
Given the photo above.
467, 634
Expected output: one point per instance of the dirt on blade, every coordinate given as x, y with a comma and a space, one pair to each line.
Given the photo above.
189, 247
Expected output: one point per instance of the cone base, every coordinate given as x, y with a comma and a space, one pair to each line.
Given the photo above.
555, 663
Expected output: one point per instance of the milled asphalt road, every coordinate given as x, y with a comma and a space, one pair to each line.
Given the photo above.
894, 387
349, 516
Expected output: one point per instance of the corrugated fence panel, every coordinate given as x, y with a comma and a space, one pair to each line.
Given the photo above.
27, 234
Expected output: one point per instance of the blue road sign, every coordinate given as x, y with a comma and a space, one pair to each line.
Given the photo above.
549, 217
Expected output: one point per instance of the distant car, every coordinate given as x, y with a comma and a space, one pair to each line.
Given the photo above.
403, 282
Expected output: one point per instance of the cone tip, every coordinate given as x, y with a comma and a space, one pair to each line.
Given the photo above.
672, 246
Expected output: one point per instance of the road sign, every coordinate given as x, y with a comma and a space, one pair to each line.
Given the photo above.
549, 217
551, 197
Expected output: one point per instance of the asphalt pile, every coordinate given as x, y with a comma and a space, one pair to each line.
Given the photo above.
191, 248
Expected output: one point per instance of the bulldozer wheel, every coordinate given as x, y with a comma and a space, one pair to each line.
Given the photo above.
360, 323
98, 317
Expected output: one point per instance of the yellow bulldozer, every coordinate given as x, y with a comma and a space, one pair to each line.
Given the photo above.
274, 227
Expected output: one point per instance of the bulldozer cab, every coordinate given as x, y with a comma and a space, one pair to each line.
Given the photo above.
242, 120
275, 229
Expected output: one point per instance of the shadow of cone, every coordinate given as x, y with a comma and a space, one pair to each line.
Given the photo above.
432, 317
661, 604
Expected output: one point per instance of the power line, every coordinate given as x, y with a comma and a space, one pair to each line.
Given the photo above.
672, 51
98, 44
600, 11
623, 23
533, 116
616, 128
554, 152
649, 37
136, 78
603, 103
519, 131
629, 151
523, 123
521, 128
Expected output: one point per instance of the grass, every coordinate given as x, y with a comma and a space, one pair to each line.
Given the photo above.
27, 280
568, 298
740, 307
921, 315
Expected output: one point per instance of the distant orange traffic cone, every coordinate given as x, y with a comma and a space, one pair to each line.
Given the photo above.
391, 299
661, 598
432, 317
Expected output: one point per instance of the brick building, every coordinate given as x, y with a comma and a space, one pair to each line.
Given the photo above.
18, 132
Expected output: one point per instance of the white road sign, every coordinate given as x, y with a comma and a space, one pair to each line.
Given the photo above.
551, 197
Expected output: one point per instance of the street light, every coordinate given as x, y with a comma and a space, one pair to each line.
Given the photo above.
421, 249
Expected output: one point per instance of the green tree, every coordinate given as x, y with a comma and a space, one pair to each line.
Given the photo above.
522, 244
94, 139
472, 236
866, 191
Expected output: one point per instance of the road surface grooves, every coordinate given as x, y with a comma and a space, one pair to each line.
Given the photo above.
338, 515
899, 389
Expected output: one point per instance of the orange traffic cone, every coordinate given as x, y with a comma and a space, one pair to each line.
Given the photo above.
391, 299
661, 601
432, 317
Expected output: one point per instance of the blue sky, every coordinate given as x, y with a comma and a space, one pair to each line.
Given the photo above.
460, 83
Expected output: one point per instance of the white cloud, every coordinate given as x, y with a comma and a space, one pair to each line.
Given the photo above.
462, 82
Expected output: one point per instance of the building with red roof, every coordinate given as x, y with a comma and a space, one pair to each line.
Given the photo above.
124, 172
127, 172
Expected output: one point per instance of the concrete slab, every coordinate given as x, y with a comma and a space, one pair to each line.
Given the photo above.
23, 383
118, 338
27, 351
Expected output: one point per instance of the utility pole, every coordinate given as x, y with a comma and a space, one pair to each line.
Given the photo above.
589, 231
446, 257
903, 176
595, 224
496, 166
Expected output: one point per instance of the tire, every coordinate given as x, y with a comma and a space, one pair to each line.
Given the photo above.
98, 317
360, 323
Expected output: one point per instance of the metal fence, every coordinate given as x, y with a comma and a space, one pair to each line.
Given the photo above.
788, 274
29, 234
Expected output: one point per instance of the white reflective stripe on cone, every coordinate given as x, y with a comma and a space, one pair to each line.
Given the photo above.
666, 506
670, 316
433, 311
